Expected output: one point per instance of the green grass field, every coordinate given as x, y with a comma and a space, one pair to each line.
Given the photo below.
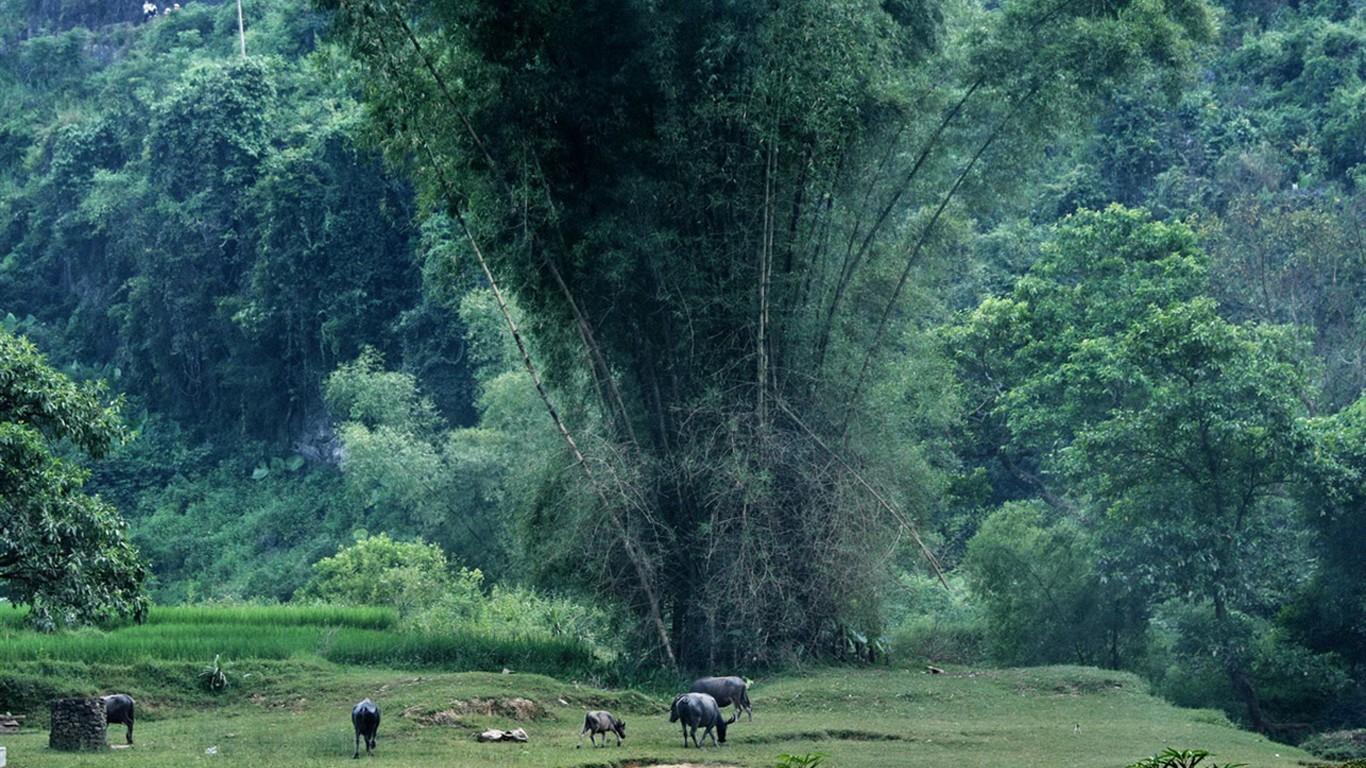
293, 710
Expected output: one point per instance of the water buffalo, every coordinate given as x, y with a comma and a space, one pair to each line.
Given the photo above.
726, 691
598, 721
365, 716
699, 710
118, 709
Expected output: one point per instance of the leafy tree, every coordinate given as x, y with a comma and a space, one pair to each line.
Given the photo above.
331, 266
1296, 260
1192, 470
1331, 615
411, 476
1028, 360
62, 552
1045, 596
1140, 408
712, 216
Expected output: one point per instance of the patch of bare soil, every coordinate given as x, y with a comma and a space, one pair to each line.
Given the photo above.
517, 708
296, 705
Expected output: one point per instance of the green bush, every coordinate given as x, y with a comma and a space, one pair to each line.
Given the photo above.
937, 624
410, 576
517, 611
1186, 758
1338, 745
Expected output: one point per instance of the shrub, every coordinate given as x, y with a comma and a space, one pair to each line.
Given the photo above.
1188, 758
377, 570
1338, 745
937, 624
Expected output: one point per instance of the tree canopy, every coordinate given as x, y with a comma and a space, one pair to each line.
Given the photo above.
62, 552
710, 215
1109, 373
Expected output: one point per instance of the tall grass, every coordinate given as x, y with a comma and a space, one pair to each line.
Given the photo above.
164, 642
341, 634
465, 650
358, 616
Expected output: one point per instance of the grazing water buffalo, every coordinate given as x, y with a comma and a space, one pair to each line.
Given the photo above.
699, 710
118, 709
598, 721
365, 716
726, 691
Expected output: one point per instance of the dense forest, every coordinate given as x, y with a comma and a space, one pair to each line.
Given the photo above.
1019, 332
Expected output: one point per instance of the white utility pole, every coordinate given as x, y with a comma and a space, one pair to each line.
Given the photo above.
241, 30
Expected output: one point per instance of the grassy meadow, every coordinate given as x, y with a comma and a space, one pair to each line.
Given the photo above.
289, 706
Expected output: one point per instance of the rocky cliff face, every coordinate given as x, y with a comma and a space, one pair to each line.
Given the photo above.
50, 16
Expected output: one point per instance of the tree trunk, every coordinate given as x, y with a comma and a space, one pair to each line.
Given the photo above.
1233, 665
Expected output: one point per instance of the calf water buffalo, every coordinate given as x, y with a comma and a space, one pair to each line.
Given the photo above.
699, 710
598, 721
365, 716
726, 691
118, 709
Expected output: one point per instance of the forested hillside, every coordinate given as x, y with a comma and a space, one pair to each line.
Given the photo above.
1027, 332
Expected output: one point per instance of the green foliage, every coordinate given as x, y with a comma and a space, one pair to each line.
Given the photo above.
1289, 261
437, 605
1331, 615
1044, 596
62, 552
708, 215
213, 677
1171, 429
1031, 360
408, 474
518, 611
363, 392
1197, 646
715, 221
944, 626
1349, 745
213, 532
379, 571
1186, 758
209, 221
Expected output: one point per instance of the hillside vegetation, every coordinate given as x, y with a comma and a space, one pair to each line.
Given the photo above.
622, 341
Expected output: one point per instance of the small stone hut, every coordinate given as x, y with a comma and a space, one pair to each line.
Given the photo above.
78, 725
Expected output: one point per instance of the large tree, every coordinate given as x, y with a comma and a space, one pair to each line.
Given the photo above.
62, 552
1113, 387
713, 215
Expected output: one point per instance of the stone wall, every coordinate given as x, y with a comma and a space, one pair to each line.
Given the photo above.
78, 724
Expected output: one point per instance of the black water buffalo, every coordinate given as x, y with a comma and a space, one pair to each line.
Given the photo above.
699, 710
365, 716
726, 691
118, 709
598, 721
